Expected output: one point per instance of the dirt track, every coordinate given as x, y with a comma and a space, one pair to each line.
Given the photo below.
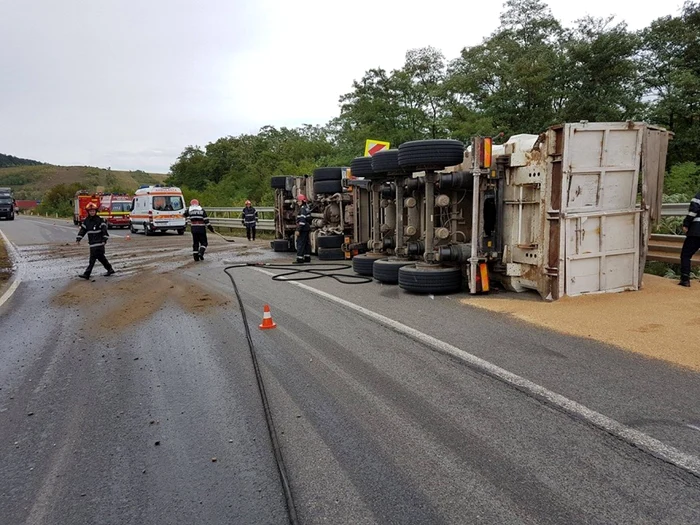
660, 321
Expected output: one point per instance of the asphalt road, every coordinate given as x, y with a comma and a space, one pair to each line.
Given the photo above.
132, 399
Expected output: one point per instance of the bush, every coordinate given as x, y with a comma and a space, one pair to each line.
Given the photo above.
683, 180
58, 200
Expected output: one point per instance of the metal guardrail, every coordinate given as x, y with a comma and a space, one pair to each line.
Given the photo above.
231, 217
674, 209
222, 222
667, 249
261, 209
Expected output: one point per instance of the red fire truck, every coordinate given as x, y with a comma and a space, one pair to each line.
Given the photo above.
114, 207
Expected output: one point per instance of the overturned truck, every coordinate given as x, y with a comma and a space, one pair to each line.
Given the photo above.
566, 212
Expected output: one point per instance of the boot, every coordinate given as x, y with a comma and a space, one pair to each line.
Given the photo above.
298, 261
201, 253
196, 256
110, 272
685, 281
307, 259
83, 276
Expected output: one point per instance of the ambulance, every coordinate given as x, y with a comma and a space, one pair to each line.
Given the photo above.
157, 209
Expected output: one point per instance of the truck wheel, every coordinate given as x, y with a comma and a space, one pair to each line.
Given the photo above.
328, 186
363, 264
431, 154
330, 241
386, 161
181, 231
324, 174
131, 228
146, 230
362, 167
12, 217
428, 279
331, 254
387, 270
278, 183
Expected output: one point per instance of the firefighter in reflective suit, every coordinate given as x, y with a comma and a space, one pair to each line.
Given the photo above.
199, 223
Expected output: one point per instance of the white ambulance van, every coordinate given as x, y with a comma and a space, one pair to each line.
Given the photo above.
157, 208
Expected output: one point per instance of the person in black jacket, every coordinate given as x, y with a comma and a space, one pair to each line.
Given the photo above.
302, 232
250, 219
96, 229
199, 223
691, 228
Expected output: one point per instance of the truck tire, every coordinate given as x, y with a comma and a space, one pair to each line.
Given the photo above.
363, 264
280, 245
330, 241
331, 254
278, 183
181, 231
362, 167
386, 161
324, 174
146, 230
431, 154
430, 279
11, 217
387, 270
131, 227
328, 186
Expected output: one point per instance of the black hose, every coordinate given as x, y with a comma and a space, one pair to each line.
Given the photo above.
291, 509
315, 271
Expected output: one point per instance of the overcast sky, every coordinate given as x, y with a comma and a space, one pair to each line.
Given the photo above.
129, 84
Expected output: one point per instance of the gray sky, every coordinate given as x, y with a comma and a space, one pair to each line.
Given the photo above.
129, 84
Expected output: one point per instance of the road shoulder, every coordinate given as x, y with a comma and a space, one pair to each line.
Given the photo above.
8, 275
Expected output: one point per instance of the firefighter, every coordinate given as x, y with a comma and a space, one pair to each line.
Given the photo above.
302, 231
250, 219
96, 229
199, 223
691, 228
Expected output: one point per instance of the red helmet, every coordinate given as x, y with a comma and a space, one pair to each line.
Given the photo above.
91, 206
194, 202
301, 197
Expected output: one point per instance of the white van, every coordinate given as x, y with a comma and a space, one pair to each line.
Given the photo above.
156, 208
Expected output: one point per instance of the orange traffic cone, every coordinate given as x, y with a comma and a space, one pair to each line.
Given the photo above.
267, 321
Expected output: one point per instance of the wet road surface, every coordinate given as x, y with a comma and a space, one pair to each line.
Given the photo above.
133, 400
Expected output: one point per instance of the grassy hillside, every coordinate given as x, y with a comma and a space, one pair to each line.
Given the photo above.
8, 161
31, 182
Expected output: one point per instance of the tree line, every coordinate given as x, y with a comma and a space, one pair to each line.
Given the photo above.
530, 73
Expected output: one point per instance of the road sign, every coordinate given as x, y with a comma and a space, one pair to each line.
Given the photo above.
373, 146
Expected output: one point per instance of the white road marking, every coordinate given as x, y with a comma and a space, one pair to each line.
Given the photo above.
639, 439
14, 255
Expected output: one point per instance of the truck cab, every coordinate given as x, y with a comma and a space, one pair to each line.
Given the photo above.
7, 204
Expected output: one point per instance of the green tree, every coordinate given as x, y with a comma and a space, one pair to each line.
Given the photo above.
511, 81
600, 74
671, 68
